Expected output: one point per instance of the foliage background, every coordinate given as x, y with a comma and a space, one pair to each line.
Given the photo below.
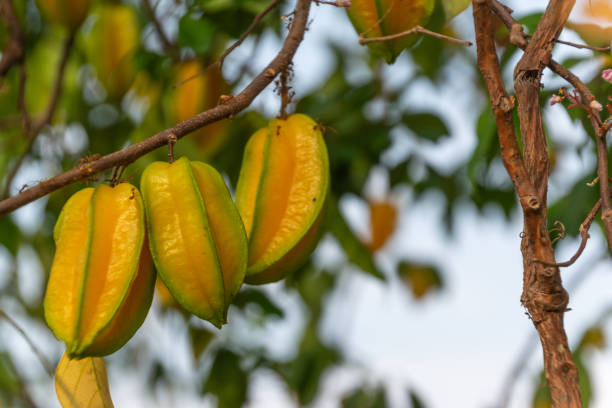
348, 329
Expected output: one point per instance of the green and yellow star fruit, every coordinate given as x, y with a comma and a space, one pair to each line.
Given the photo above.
101, 282
281, 192
196, 237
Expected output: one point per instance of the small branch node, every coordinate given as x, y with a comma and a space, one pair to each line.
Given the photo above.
223, 99
517, 36
531, 202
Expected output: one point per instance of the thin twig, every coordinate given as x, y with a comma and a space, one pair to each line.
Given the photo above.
584, 234
222, 111
247, 32
21, 103
43, 360
414, 30
579, 46
31, 130
167, 45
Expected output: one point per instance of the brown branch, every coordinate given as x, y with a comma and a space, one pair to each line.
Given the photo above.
414, 30
504, 14
579, 46
15, 46
31, 130
168, 46
247, 32
131, 153
502, 106
531, 342
543, 295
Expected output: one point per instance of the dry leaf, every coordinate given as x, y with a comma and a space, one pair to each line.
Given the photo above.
82, 383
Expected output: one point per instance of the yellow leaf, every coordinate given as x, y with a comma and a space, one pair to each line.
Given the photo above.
82, 383
599, 9
383, 215
420, 279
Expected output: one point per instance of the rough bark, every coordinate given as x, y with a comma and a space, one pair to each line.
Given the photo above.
543, 294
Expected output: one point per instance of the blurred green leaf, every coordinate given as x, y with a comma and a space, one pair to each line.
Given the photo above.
200, 339
305, 371
366, 398
356, 252
9, 382
257, 298
227, 380
196, 33
420, 279
10, 236
425, 125
415, 400
573, 208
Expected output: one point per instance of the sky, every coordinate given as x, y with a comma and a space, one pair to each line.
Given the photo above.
456, 347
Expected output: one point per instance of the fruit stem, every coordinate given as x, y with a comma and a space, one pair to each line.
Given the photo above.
171, 141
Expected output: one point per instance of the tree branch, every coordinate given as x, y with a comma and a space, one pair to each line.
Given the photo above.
543, 295
584, 235
414, 30
167, 45
236, 44
15, 50
131, 153
579, 46
602, 159
502, 106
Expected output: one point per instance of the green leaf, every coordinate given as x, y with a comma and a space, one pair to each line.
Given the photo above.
573, 208
257, 298
355, 250
425, 125
420, 279
196, 33
486, 148
9, 383
313, 359
366, 398
200, 339
531, 21
10, 236
227, 380
453, 7
415, 400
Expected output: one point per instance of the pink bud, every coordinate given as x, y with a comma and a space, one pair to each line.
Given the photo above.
554, 99
607, 75
596, 106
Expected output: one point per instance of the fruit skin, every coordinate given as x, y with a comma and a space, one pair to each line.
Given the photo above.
197, 239
281, 194
101, 282
113, 42
69, 13
377, 18
201, 92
